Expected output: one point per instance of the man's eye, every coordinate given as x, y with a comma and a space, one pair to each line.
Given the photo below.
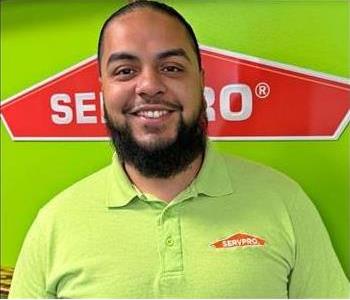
124, 72
172, 69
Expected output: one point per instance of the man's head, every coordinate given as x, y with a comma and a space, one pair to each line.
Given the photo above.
152, 84
157, 6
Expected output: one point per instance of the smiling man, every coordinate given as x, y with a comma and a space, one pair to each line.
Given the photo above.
154, 106
170, 217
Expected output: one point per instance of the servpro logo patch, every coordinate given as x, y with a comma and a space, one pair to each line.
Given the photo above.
239, 240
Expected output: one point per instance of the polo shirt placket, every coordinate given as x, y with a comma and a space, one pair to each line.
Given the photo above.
171, 277
169, 239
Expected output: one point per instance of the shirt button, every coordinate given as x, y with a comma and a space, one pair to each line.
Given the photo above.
169, 242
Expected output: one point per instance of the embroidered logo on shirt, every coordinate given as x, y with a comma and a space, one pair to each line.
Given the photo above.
239, 240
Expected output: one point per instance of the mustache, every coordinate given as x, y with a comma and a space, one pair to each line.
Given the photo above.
171, 105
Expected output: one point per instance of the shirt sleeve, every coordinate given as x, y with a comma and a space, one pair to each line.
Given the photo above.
29, 276
317, 272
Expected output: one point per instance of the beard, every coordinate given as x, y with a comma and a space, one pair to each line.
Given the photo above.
161, 159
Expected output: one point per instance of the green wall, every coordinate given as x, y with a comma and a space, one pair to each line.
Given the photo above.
41, 38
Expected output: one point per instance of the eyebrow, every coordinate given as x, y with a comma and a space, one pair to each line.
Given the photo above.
121, 56
173, 52
162, 55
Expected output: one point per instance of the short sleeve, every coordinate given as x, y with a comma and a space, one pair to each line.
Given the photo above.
30, 270
317, 272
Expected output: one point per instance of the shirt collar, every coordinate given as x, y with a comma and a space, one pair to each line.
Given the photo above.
212, 180
120, 190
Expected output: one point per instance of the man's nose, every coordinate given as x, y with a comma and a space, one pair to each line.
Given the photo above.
150, 83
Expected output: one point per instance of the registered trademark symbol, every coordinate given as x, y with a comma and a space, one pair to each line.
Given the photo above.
262, 90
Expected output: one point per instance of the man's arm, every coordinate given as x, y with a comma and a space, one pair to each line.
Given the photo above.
317, 272
29, 278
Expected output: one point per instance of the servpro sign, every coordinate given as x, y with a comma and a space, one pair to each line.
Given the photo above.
247, 99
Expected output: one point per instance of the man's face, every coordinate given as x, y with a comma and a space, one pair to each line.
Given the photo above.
150, 76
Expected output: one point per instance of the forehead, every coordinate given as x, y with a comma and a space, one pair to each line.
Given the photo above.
147, 30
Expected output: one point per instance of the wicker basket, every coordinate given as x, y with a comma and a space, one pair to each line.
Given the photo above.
5, 281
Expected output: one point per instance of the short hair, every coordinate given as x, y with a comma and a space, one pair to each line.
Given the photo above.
157, 6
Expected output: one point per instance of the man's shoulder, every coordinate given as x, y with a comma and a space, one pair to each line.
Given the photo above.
252, 177
248, 170
264, 188
85, 194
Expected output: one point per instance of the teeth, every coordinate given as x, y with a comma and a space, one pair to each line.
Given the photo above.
152, 114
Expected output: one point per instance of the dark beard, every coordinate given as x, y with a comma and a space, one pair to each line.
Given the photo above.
163, 159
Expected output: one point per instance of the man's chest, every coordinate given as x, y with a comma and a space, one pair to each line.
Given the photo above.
173, 255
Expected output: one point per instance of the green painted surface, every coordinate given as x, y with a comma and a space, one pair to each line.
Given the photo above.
40, 39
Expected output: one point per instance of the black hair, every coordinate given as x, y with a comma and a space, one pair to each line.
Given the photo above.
161, 7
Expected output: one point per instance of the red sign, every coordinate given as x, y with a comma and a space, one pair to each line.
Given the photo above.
247, 98
239, 240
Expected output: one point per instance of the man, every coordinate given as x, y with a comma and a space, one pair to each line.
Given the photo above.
171, 218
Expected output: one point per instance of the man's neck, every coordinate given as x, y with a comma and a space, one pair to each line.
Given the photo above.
165, 189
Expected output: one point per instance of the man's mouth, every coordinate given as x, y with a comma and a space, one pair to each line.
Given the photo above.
152, 114
154, 111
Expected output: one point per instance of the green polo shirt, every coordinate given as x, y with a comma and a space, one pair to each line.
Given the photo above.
239, 230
